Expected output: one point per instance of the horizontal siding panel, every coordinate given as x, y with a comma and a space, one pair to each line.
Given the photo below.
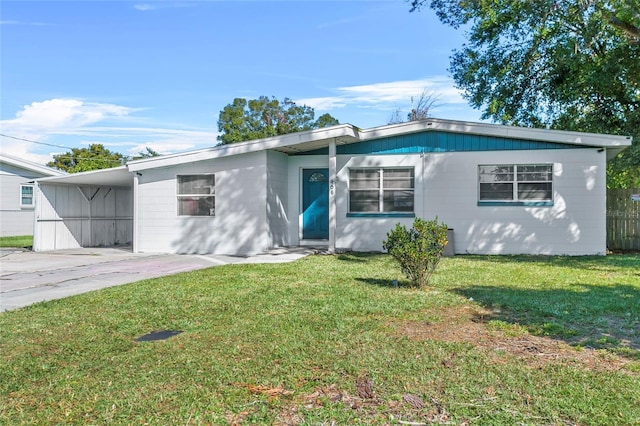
441, 142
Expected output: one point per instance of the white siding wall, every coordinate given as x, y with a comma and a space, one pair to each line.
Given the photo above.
239, 225
14, 219
65, 219
447, 186
277, 199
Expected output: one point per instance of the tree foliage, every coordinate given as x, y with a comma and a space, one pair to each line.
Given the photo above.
147, 153
418, 250
245, 120
95, 157
569, 64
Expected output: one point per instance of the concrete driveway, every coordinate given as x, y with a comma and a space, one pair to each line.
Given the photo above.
28, 277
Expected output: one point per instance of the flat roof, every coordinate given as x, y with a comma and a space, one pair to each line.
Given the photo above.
30, 165
117, 176
342, 134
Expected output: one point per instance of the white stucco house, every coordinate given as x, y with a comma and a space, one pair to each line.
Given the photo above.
17, 198
503, 190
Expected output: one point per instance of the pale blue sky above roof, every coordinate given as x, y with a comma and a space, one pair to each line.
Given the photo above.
157, 73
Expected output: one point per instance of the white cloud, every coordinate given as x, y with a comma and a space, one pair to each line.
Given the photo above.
40, 118
387, 95
77, 123
326, 103
35, 24
144, 7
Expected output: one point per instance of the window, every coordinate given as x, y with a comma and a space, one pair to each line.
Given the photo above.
26, 196
196, 195
381, 190
317, 177
518, 183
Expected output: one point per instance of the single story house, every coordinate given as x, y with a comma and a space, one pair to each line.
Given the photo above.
17, 194
502, 189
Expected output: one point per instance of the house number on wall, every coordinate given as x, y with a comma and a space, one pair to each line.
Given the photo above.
331, 187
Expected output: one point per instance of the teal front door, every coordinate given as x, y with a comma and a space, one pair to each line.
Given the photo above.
315, 204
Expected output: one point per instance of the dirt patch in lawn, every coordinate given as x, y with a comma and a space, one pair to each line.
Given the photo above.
407, 410
470, 325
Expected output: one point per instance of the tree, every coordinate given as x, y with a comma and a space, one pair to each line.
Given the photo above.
147, 153
245, 120
421, 108
85, 159
570, 64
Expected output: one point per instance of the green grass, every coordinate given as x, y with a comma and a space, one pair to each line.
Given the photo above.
286, 343
23, 241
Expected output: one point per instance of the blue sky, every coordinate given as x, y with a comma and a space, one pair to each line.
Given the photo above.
130, 74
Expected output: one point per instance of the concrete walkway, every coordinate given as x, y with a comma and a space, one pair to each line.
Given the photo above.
28, 277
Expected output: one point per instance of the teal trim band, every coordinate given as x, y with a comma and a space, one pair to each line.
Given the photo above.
438, 141
378, 215
515, 203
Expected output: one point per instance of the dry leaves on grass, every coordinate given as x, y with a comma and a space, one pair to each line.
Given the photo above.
364, 387
319, 398
467, 325
268, 391
410, 410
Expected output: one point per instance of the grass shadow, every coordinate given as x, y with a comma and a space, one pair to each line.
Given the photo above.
354, 257
607, 263
384, 283
584, 315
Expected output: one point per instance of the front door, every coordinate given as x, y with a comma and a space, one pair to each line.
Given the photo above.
315, 204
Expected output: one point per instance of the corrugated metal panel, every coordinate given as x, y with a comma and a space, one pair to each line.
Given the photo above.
72, 216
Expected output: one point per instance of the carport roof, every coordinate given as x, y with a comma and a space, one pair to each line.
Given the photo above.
117, 176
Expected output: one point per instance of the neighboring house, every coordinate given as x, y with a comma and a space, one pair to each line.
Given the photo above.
502, 189
16, 194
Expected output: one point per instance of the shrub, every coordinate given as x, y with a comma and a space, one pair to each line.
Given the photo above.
418, 250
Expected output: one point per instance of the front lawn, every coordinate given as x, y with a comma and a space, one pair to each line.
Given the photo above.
330, 340
22, 241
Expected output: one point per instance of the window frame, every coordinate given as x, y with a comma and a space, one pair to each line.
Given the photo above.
381, 189
33, 196
516, 200
211, 195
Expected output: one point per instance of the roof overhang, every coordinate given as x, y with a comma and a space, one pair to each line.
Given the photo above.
613, 144
347, 133
116, 177
29, 165
342, 134
289, 144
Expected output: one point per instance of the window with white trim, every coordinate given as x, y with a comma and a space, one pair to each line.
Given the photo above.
515, 183
26, 196
381, 190
196, 195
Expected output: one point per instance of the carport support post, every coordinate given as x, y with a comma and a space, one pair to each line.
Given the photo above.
332, 196
134, 237
36, 215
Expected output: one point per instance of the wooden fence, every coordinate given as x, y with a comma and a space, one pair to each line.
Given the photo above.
623, 219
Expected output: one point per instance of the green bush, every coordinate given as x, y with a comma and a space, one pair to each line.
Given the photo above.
418, 250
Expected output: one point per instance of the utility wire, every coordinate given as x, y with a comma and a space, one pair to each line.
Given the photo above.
39, 143
61, 156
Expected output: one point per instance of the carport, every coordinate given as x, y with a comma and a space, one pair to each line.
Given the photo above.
91, 209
